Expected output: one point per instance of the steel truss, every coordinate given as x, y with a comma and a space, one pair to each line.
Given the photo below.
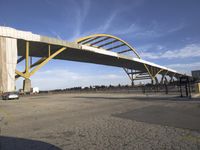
32, 68
112, 43
101, 41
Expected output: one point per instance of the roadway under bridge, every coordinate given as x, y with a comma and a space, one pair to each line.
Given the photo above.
17, 46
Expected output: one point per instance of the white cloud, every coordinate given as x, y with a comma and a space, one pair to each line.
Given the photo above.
191, 50
103, 28
82, 9
56, 34
186, 68
149, 55
189, 65
137, 31
108, 25
61, 78
78, 10
133, 28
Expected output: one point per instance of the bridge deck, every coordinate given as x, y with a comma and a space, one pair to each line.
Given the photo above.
76, 52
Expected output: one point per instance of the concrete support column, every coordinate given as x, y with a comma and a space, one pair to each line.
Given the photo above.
27, 85
8, 62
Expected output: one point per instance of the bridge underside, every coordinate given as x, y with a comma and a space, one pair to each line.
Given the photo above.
73, 54
45, 49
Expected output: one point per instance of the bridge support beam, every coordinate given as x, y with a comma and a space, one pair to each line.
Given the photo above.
32, 68
8, 62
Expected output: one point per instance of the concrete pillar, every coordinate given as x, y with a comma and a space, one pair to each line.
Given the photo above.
8, 62
27, 85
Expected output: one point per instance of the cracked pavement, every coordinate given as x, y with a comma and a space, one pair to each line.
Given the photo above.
100, 121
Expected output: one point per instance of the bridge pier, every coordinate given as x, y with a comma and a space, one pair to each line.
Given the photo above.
8, 62
27, 85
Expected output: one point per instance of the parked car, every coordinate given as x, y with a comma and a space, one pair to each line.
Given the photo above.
10, 95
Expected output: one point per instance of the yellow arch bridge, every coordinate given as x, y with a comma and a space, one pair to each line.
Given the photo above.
16, 46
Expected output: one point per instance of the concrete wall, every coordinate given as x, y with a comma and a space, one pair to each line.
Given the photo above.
8, 61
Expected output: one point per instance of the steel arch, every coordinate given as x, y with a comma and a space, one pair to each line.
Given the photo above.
102, 39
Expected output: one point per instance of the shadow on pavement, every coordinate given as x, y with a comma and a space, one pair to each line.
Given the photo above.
13, 143
187, 117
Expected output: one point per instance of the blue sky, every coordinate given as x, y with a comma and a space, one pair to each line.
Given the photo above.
164, 32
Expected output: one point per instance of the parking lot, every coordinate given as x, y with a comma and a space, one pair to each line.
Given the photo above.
99, 121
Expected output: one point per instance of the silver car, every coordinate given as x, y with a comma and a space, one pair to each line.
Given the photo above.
10, 95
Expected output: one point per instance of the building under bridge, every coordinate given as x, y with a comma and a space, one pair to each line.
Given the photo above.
196, 74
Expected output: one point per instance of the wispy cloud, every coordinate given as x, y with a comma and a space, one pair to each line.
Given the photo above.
134, 29
62, 78
56, 34
81, 11
107, 26
103, 28
154, 30
187, 67
191, 50
107, 23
